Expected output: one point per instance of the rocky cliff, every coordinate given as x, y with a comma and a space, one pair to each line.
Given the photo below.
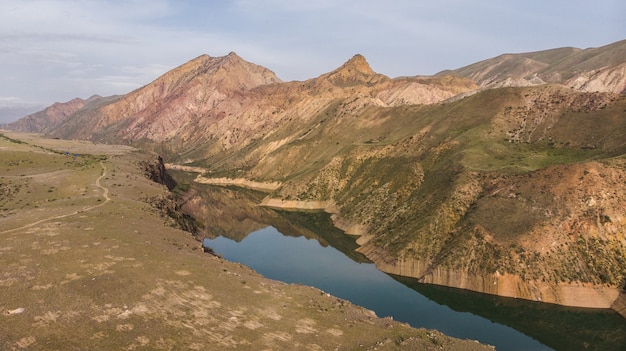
155, 171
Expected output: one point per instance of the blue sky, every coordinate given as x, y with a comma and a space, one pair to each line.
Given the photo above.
55, 50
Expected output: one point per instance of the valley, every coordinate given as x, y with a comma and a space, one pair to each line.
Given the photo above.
504, 177
91, 263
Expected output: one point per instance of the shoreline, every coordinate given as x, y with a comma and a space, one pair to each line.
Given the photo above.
591, 297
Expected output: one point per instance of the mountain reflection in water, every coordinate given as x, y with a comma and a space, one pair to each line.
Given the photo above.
273, 243
560, 327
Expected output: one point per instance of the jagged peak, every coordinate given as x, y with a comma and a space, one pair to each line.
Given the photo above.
359, 63
232, 58
354, 71
226, 74
205, 60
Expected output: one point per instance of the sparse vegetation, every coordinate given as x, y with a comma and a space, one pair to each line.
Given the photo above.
85, 272
460, 200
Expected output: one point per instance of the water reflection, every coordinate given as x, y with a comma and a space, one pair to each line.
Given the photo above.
234, 214
305, 261
561, 328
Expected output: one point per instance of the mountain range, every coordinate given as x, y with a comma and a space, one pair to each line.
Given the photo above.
506, 176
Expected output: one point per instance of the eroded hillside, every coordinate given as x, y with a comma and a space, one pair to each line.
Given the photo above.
594, 69
491, 206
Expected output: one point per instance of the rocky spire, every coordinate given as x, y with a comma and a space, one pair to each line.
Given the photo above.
355, 71
358, 63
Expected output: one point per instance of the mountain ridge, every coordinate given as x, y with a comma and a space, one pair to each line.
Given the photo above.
592, 69
52, 116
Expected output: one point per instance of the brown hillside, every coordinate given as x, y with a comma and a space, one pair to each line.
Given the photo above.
51, 117
91, 262
593, 69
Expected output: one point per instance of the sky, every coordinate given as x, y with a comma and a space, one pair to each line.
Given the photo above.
57, 50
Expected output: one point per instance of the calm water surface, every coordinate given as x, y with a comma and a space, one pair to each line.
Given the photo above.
306, 248
298, 260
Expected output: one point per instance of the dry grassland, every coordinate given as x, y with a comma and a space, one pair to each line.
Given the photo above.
88, 264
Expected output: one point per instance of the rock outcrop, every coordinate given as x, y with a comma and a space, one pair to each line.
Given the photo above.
157, 172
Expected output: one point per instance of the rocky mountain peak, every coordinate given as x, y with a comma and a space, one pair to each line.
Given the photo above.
199, 77
232, 58
358, 63
233, 55
353, 72
219, 70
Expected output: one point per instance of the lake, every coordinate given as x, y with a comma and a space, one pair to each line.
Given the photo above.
305, 248
305, 261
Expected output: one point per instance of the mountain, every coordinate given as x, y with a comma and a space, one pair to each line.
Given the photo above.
52, 116
173, 101
504, 177
215, 105
594, 69
12, 112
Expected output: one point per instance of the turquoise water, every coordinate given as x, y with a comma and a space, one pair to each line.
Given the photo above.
305, 261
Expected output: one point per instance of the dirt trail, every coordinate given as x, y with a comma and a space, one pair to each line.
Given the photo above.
105, 190
105, 195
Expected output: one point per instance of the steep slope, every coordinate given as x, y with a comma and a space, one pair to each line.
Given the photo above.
219, 106
178, 98
515, 192
594, 69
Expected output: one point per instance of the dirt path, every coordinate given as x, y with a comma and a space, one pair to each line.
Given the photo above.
105, 191
105, 195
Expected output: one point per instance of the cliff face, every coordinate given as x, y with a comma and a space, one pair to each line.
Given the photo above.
156, 172
619, 304
567, 293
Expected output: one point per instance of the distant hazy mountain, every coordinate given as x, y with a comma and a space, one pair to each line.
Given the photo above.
595, 69
52, 116
12, 113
